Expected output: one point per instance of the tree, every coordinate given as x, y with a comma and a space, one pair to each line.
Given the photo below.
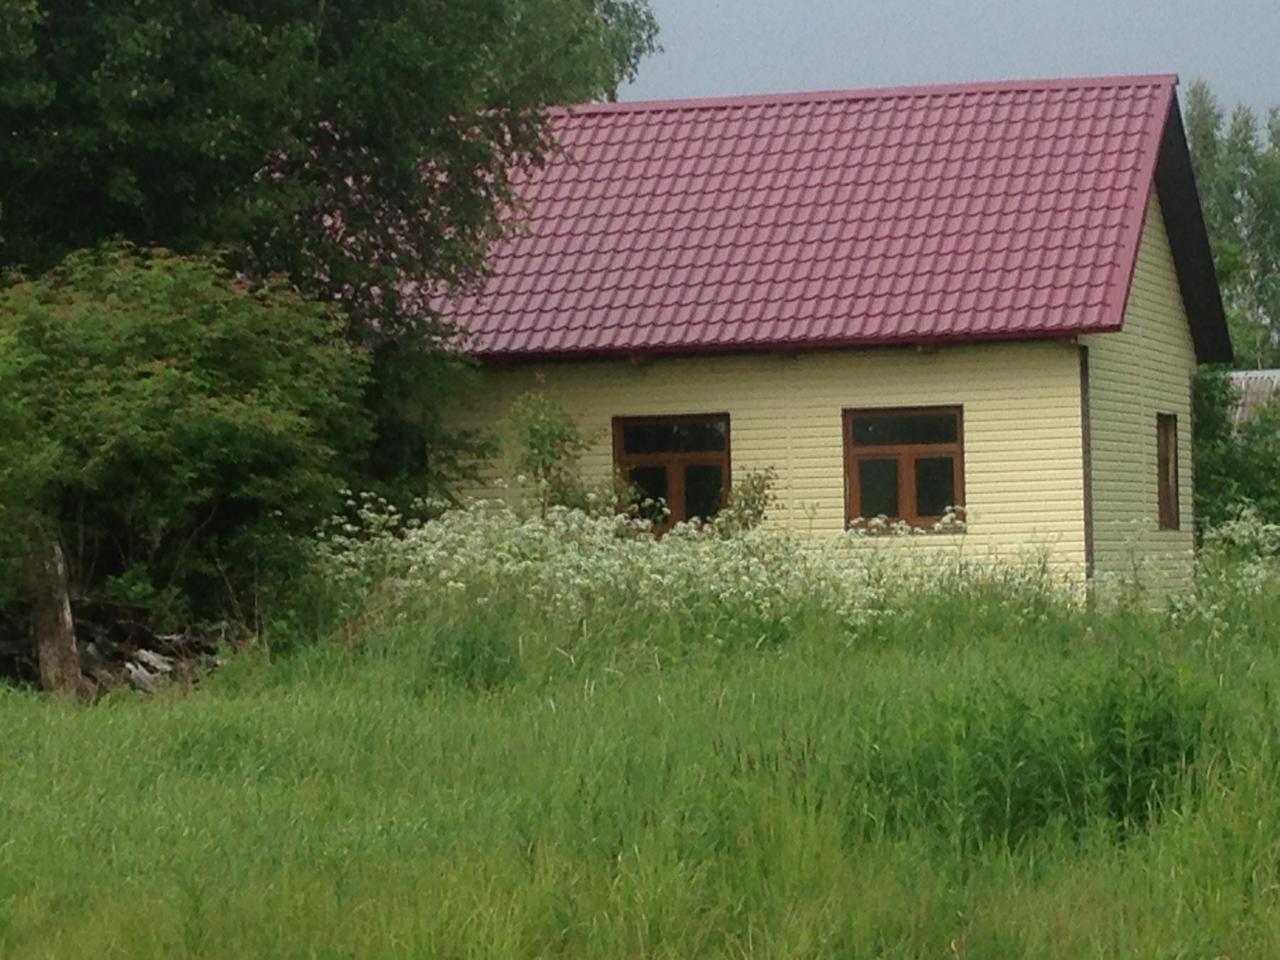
172, 427
173, 123
1234, 465
363, 148
1218, 452
1237, 165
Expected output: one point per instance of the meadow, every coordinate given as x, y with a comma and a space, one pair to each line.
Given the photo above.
502, 736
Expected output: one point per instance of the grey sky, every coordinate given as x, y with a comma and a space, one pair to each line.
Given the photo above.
723, 47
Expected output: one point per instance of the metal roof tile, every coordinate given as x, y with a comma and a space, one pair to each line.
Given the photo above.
853, 217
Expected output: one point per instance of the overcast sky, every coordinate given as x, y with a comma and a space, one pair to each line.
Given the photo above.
724, 47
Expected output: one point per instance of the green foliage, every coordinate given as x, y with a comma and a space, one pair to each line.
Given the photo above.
21, 84
175, 428
361, 148
1234, 465
1237, 165
622, 768
1107, 745
1259, 478
752, 497
547, 446
1244, 538
156, 120
1216, 445
28, 457
413, 452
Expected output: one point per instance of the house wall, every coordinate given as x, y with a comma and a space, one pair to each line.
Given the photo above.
1145, 369
1022, 403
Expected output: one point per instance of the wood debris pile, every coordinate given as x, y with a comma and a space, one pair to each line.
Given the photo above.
117, 650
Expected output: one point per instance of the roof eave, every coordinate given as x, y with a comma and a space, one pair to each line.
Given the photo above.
505, 357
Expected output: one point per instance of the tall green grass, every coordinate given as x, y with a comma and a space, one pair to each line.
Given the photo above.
982, 768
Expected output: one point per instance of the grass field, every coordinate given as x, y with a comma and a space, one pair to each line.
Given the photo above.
553, 741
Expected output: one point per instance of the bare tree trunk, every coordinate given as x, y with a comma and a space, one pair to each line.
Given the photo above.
51, 622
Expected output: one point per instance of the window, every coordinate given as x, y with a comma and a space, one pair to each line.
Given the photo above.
683, 461
903, 464
1167, 470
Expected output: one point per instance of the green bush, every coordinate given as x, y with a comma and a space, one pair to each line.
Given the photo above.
172, 427
547, 446
1235, 466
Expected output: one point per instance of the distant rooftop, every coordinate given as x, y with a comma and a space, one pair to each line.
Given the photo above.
1257, 388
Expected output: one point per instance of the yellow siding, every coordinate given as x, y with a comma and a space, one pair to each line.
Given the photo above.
1023, 466
1144, 370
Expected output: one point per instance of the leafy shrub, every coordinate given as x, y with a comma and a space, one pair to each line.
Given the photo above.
1245, 535
548, 446
1235, 466
750, 500
177, 428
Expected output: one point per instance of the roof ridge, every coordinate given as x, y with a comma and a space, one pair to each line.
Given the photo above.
871, 93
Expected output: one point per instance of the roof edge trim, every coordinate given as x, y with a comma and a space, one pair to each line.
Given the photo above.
869, 93
1120, 288
942, 341
1179, 197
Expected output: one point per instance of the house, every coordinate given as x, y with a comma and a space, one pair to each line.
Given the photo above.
1256, 389
989, 295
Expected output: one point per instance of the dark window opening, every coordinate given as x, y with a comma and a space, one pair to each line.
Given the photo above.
904, 464
1167, 470
680, 461
651, 490
878, 485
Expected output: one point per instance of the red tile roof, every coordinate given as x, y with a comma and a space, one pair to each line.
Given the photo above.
975, 212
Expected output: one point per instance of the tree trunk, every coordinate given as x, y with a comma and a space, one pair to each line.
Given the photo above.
51, 622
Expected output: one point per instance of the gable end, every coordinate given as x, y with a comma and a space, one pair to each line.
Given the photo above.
1189, 242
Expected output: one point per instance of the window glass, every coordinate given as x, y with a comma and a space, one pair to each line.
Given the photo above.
651, 484
683, 460
904, 464
703, 490
897, 428
878, 485
675, 436
935, 486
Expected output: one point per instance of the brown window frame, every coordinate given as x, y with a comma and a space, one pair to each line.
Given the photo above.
1168, 495
675, 462
906, 454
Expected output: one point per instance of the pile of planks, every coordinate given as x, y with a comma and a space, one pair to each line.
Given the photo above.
117, 650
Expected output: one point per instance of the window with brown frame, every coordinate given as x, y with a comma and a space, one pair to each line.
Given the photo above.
903, 464
1167, 470
682, 461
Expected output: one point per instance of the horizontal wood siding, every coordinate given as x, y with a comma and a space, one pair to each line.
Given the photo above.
1022, 428
1144, 370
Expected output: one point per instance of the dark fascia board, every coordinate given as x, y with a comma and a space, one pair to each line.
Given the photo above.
1189, 241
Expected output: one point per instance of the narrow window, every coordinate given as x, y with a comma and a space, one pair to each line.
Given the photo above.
682, 462
903, 464
1167, 469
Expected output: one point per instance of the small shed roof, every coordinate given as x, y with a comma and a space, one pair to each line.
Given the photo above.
847, 218
1257, 388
